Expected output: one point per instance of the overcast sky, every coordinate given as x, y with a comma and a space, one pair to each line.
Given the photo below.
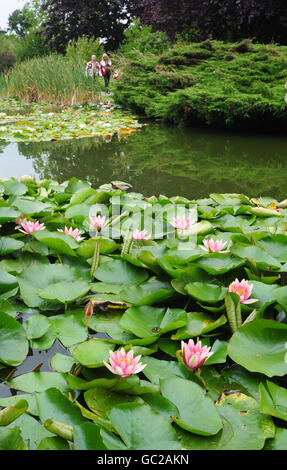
6, 7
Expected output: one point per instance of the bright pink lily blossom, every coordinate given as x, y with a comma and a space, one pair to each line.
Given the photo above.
243, 289
182, 223
139, 235
124, 364
29, 227
194, 355
97, 221
76, 234
212, 246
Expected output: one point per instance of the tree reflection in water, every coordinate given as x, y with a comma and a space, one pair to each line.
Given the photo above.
171, 161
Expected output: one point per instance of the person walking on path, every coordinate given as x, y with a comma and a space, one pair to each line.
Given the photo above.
106, 70
93, 68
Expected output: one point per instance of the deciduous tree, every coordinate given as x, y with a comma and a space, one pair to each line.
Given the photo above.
71, 19
264, 20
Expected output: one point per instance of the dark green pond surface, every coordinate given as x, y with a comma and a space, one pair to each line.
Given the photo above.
161, 160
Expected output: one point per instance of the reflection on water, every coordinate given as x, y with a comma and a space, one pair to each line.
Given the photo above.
160, 160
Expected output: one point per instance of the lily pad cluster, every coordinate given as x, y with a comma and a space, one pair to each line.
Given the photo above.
104, 292
20, 122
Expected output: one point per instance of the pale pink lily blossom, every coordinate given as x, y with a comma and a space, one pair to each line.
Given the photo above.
97, 221
76, 234
243, 289
124, 364
212, 246
139, 235
29, 227
194, 355
182, 223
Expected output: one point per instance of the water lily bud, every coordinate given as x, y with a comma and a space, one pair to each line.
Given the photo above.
89, 309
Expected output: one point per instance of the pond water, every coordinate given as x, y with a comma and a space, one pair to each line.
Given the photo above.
160, 159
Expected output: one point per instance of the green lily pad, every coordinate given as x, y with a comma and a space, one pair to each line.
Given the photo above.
273, 400
275, 245
36, 326
11, 439
279, 442
199, 323
244, 427
280, 294
8, 245
151, 321
87, 436
14, 345
92, 353
7, 214
64, 292
52, 403
157, 370
99, 401
260, 346
39, 381
32, 431
197, 413
129, 420
218, 263
62, 363
255, 253
148, 293
87, 248
8, 285
60, 242
209, 293
36, 280
118, 271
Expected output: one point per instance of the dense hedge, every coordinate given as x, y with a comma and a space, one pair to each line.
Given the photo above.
264, 20
211, 82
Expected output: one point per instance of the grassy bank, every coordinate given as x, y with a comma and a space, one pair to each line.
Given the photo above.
209, 82
53, 79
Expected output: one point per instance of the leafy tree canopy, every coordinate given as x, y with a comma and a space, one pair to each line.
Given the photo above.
264, 20
20, 21
69, 20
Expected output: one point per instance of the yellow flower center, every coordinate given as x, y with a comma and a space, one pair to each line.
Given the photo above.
239, 290
125, 360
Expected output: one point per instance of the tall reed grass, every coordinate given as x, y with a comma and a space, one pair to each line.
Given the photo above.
51, 79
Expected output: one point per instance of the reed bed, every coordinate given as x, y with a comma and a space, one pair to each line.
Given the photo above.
51, 79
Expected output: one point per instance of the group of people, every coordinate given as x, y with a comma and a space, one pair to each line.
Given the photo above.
104, 69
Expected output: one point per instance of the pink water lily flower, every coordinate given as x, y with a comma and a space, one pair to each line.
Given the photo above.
139, 235
76, 234
182, 223
97, 221
194, 355
124, 364
29, 227
212, 246
243, 289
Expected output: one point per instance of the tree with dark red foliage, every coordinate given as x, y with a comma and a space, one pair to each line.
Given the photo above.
263, 20
71, 19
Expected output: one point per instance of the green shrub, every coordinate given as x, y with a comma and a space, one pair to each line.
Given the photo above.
141, 38
31, 45
82, 49
210, 82
7, 52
